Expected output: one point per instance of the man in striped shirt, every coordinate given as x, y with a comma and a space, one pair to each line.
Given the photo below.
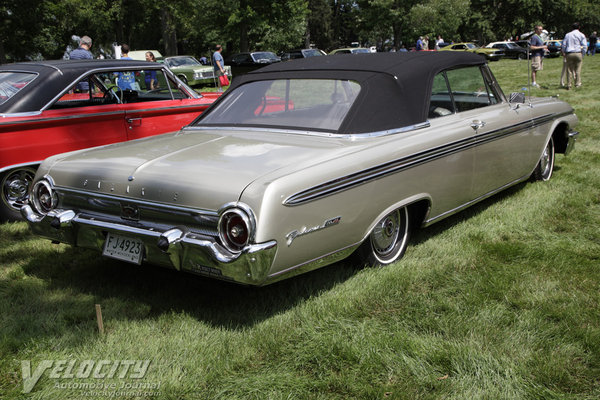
574, 46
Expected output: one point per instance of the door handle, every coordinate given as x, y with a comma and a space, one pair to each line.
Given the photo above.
476, 124
134, 122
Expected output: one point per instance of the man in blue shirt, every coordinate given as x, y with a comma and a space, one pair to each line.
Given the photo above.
420, 44
126, 80
536, 45
83, 51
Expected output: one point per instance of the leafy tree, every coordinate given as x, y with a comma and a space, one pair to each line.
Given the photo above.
438, 17
319, 27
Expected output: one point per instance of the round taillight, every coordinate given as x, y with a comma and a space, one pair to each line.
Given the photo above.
236, 229
44, 198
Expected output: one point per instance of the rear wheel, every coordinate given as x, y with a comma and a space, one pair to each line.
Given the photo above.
15, 188
522, 56
544, 168
388, 239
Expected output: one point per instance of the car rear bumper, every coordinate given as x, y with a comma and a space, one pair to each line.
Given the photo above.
173, 248
571, 138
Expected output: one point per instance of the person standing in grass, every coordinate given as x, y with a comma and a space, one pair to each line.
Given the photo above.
593, 41
218, 65
574, 47
537, 47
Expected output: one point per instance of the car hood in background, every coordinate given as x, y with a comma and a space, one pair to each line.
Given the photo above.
200, 169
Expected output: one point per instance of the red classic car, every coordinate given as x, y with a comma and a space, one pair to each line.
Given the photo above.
54, 107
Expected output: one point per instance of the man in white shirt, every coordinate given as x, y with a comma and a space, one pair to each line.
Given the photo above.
574, 46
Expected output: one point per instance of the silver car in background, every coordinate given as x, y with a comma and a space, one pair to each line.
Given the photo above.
301, 164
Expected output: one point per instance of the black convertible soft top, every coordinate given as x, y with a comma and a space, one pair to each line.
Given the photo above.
55, 76
396, 87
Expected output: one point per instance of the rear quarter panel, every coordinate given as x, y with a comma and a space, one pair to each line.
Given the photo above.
445, 182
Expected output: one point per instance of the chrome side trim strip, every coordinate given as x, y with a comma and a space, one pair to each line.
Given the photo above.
249, 129
27, 164
67, 117
351, 136
169, 108
361, 177
349, 181
455, 210
21, 114
137, 201
315, 263
404, 129
102, 114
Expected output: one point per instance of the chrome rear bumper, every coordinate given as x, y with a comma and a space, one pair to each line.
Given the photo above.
176, 247
572, 137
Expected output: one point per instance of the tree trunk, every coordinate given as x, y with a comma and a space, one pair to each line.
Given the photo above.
169, 35
397, 29
307, 38
244, 45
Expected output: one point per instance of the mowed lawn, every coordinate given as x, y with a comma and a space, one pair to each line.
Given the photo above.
501, 301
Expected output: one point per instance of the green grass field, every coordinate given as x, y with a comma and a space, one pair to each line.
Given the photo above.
501, 301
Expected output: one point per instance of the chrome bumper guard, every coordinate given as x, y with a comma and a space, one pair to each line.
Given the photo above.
175, 248
572, 137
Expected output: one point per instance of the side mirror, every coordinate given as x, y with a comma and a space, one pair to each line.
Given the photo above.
517, 97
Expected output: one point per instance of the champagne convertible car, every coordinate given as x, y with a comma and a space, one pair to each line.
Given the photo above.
301, 164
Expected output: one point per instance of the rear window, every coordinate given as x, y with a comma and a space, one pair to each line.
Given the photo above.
12, 82
315, 104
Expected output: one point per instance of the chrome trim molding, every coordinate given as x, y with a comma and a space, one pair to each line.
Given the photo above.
100, 114
313, 264
361, 177
249, 129
20, 114
27, 164
116, 198
471, 202
352, 136
79, 116
388, 132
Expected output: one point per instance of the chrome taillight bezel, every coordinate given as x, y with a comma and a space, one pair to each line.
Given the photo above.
43, 196
231, 217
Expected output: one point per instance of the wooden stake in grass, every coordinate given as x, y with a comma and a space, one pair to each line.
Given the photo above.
99, 319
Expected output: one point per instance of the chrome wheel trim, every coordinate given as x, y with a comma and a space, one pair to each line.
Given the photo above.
15, 187
547, 161
389, 236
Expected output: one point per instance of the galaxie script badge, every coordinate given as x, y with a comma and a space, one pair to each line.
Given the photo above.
305, 231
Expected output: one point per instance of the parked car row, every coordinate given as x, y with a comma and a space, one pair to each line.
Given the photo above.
491, 54
194, 72
187, 68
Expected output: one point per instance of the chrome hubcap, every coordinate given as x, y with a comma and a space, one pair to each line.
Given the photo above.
545, 161
386, 233
16, 186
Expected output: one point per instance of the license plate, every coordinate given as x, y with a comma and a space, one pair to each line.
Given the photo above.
123, 248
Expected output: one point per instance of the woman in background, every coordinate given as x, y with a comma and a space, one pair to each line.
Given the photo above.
150, 76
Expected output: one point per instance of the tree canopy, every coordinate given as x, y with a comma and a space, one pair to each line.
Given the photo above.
36, 29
